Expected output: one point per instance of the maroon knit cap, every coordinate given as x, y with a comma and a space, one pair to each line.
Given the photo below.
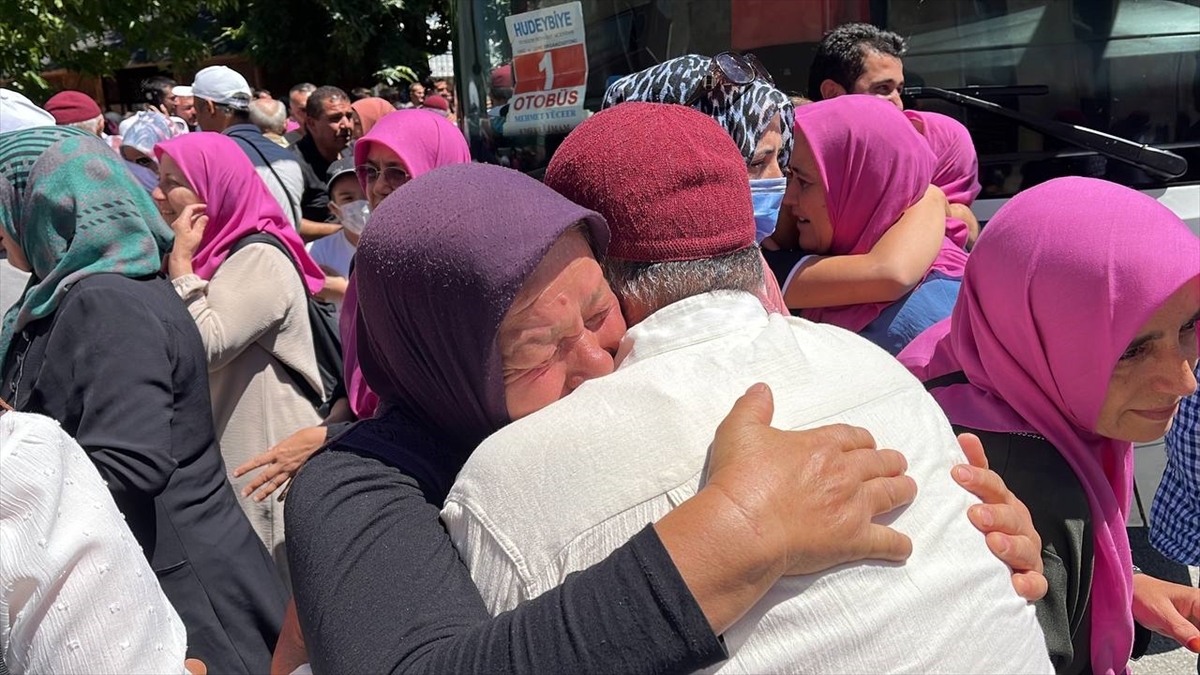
669, 180
435, 101
69, 107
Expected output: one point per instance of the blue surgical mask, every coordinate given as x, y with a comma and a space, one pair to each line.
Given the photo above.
768, 197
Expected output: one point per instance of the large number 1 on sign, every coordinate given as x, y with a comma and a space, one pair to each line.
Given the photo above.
546, 65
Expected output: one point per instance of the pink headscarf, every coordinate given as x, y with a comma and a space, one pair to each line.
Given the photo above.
424, 142
1061, 280
370, 111
874, 165
957, 169
238, 202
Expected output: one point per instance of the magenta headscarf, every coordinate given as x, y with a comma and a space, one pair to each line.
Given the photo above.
874, 165
1059, 283
424, 142
238, 202
957, 169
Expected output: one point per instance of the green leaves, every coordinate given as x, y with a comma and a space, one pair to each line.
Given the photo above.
345, 41
338, 41
393, 75
97, 37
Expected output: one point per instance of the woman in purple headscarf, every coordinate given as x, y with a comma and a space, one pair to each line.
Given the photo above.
378, 584
857, 164
1074, 337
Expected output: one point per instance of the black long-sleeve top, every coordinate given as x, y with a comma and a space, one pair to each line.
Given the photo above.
379, 588
121, 367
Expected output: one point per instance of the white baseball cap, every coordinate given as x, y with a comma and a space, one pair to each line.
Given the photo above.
182, 90
222, 85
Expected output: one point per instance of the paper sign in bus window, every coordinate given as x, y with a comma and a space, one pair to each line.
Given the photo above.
550, 70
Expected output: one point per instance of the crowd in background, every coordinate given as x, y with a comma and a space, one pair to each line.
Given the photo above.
297, 386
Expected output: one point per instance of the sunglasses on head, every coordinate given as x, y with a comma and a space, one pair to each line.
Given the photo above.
393, 176
731, 68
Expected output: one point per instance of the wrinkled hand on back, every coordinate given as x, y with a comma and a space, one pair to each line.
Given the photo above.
810, 495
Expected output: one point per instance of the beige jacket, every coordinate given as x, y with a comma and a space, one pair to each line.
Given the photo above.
253, 317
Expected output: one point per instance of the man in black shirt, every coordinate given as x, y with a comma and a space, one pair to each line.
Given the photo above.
329, 122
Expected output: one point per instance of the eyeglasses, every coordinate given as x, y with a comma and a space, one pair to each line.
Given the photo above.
393, 176
731, 68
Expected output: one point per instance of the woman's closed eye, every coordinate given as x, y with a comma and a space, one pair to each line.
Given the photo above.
533, 358
1190, 326
1143, 345
1135, 350
597, 319
792, 175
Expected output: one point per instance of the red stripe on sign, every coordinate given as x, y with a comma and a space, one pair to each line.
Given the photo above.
554, 69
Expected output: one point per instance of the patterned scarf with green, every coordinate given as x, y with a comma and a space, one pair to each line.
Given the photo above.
67, 199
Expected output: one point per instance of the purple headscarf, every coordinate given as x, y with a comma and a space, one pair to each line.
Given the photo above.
433, 286
1061, 280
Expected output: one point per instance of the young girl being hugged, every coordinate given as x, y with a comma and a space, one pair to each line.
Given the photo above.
857, 164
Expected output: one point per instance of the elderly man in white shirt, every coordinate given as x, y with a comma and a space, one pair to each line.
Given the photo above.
558, 490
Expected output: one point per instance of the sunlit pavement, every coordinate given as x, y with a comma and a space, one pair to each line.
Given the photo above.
1165, 657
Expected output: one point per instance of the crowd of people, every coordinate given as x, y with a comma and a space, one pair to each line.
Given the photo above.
741, 384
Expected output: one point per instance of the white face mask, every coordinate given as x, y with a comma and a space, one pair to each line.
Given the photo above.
354, 215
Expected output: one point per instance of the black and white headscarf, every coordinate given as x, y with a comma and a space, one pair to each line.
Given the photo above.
743, 110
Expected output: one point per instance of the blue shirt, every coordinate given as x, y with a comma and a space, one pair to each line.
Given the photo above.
903, 320
1175, 513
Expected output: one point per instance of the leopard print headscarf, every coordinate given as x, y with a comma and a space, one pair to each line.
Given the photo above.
744, 111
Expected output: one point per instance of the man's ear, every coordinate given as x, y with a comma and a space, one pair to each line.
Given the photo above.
831, 89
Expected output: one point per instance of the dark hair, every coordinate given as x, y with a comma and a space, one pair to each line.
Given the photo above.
261, 93
154, 90
302, 88
500, 94
359, 93
841, 52
390, 94
317, 99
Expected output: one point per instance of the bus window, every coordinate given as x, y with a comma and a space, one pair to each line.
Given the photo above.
1129, 68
